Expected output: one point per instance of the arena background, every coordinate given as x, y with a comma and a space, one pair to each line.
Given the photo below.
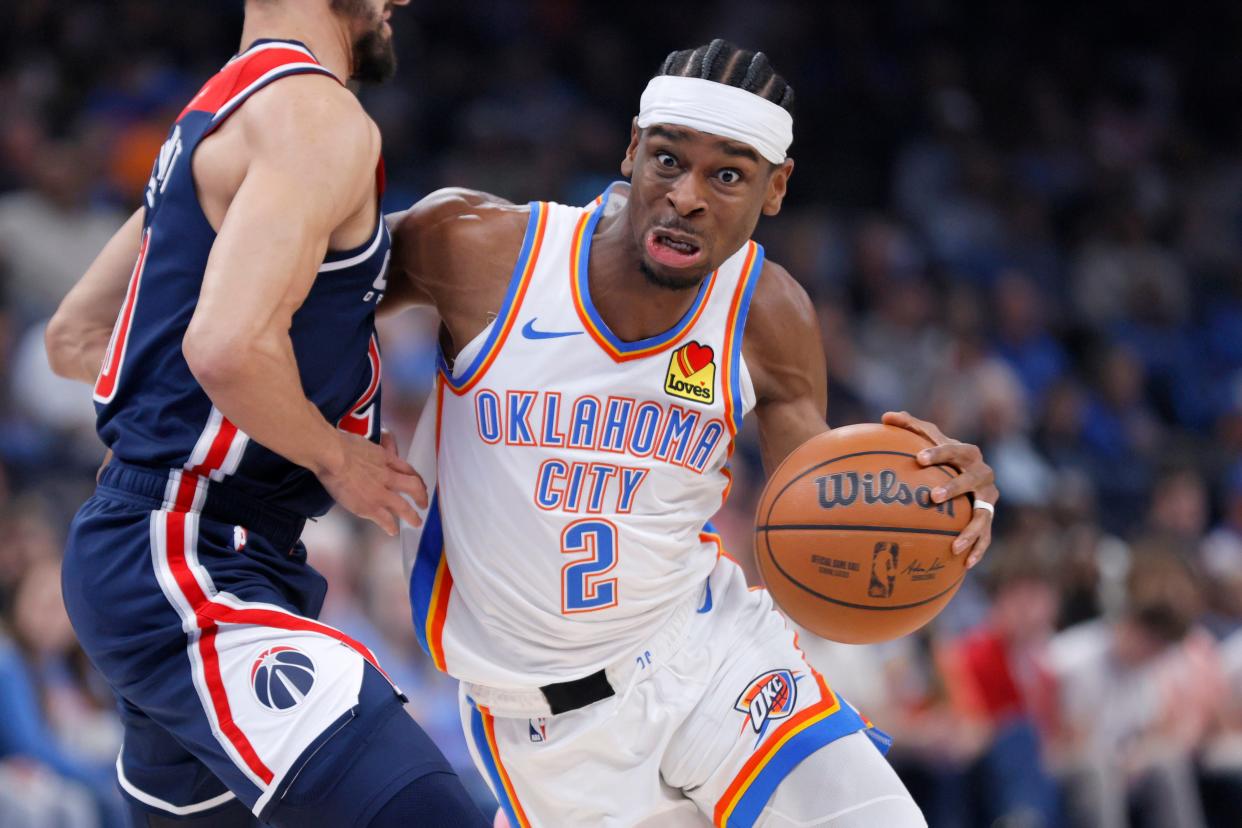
1021, 222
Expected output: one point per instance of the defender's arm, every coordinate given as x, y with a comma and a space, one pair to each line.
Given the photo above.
261, 268
77, 335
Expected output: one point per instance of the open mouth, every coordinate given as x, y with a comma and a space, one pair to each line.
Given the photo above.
672, 249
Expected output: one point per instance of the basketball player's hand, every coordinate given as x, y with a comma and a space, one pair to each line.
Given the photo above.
975, 477
373, 480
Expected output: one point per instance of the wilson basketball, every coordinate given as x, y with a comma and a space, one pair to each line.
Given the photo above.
849, 542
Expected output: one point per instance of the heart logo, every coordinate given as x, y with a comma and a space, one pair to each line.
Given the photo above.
694, 358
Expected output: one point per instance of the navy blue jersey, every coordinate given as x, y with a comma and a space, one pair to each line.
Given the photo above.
151, 410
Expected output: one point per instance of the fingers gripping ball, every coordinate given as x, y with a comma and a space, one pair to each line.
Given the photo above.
849, 540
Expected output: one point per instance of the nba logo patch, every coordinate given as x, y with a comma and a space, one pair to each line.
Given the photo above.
768, 698
539, 730
692, 374
281, 678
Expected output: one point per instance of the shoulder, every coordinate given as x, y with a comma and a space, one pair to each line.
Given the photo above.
459, 221
459, 212
781, 343
310, 116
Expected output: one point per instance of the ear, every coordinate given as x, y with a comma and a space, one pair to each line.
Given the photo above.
627, 163
777, 183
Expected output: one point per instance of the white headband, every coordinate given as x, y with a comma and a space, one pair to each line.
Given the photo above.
719, 109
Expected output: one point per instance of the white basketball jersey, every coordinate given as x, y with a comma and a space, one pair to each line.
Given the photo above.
573, 474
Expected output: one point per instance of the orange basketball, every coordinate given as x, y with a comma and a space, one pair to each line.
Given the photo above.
848, 540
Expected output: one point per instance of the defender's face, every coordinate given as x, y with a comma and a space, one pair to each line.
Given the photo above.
695, 199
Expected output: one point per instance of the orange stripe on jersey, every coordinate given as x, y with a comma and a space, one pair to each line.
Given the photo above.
437, 612
731, 352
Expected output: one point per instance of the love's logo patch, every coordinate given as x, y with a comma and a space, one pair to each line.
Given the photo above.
692, 373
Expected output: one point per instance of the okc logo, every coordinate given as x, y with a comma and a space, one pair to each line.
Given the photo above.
692, 373
768, 698
281, 678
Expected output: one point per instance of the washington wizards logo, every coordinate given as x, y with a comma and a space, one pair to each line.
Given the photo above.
768, 698
282, 677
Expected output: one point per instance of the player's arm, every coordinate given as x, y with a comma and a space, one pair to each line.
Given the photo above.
312, 157
785, 354
77, 335
443, 244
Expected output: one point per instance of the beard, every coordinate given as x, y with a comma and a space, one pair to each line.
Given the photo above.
668, 282
374, 59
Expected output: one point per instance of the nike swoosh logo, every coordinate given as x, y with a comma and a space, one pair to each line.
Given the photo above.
707, 600
528, 331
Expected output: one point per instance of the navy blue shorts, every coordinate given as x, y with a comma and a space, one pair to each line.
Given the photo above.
203, 624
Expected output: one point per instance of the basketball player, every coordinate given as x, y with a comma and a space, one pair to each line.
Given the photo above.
238, 390
596, 366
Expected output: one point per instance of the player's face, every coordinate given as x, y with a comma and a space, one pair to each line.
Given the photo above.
695, 199
374, 57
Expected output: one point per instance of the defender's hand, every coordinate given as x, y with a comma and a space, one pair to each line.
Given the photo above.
372, 480
975, 477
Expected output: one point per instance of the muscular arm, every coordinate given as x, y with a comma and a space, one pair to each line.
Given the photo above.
455, 250
785, 355
77, 335
312, 155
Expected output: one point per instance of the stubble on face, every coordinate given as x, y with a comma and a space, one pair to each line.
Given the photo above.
374, 58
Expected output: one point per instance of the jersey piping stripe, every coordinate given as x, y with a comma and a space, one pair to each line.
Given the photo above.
735, 327
263, 80
619, 350
483, 730
163, 805
271, 44
823, 722
328, 267
532, 243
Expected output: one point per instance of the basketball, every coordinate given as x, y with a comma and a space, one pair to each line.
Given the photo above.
848, 540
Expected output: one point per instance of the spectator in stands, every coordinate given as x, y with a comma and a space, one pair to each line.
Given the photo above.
1137, 695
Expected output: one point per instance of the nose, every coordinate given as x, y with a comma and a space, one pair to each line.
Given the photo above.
686, 196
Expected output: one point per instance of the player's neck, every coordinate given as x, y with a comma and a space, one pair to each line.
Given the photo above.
633, 307
324, 34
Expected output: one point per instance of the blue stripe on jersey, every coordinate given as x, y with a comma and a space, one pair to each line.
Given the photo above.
739, 328
423, 578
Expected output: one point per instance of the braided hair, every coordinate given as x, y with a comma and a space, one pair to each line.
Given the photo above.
722, 62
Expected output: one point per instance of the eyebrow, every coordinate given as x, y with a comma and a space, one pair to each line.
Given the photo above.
727, 147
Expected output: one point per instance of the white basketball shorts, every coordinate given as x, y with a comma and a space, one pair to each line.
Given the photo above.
706, 721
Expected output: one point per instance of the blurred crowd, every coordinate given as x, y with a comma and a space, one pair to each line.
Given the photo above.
1022, 223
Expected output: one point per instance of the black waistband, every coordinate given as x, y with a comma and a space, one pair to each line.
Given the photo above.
279, 527
571, 695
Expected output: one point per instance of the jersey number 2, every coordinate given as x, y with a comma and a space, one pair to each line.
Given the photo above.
582, 588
